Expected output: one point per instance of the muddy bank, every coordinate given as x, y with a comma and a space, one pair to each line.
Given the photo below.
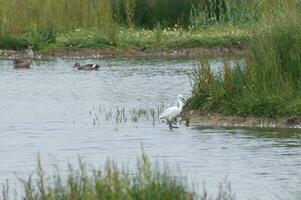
218, 120
141, 52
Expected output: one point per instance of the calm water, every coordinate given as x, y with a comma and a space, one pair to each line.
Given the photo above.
63, 113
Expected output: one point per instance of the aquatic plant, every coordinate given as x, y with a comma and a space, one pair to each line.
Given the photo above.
111, 182
118, 115
267, 85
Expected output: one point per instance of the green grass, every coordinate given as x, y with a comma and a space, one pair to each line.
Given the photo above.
13, 42
18, 17
124, 38
113, 182
124, 24
269, 85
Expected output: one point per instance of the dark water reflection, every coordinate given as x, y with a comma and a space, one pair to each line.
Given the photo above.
50, 109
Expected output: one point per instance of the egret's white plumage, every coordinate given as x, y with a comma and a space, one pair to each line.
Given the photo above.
173, 111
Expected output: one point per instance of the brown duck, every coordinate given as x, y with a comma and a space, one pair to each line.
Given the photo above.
26, 61
86, 66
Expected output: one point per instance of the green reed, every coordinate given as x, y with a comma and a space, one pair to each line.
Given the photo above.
113, 181
45, 17
110, 182
118, 115
40, 21
268, 85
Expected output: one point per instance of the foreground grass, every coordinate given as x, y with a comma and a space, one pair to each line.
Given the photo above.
149, 182
112, 182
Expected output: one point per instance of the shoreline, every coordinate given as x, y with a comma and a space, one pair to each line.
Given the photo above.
219, 120
192, 116
130, 53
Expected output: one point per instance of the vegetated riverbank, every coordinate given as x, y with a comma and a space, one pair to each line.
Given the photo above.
202, 119
134, 42
91, 53
132, 24
267, 86
126, 24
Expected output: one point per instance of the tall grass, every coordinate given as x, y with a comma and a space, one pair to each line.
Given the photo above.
112, 182
19, 16
41, 22
232, 12
270, 82
46, 16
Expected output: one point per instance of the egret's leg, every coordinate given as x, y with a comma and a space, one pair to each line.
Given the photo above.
169, 124
174, 126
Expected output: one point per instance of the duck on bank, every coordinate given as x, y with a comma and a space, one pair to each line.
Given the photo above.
26, 61
86, 66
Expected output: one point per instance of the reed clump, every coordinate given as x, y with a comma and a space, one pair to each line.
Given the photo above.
112, 182
268, 84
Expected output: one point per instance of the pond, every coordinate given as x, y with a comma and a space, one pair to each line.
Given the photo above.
62, 113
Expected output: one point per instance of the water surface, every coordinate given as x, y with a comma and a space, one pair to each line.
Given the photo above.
64, 113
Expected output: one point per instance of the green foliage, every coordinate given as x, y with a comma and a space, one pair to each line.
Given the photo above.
13, 42
116, 37
213, 12
41, 37
166, 12
50, 16
112, 182
242, 11
42, 23
270, 82
129, 10
83, 39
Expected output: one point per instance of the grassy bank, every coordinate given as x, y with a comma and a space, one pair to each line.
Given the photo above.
267, 85
134, 38
113, 182
127, 24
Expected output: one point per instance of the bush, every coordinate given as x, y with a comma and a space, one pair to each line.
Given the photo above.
13, 42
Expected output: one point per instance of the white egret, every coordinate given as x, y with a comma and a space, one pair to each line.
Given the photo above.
172, 112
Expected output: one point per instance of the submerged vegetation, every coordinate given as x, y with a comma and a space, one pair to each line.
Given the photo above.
112, 182
267, 85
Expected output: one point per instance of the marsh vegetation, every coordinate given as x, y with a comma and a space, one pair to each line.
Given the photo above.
148, 181
100, 114
268, 84
127, 24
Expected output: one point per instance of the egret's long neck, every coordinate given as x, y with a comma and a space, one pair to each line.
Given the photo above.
180, 103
